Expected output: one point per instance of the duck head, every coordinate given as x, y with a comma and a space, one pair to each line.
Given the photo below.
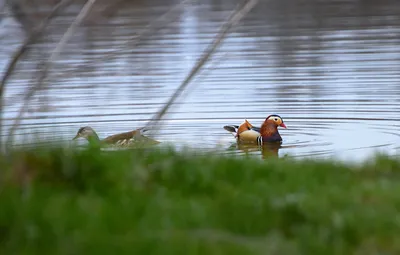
269, 129
86, 132
275, 120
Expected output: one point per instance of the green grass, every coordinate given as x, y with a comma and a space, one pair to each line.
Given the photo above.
59, 201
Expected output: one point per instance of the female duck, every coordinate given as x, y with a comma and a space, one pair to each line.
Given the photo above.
122, 139
247, 133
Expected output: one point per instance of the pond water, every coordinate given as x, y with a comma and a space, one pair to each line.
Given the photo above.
330, 69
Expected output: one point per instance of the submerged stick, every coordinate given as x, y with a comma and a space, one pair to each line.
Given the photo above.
232, 20
67, 35
33, 36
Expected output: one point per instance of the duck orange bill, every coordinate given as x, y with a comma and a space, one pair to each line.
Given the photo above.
282, 125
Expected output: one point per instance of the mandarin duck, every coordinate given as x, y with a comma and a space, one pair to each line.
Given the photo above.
125, 139
247, 133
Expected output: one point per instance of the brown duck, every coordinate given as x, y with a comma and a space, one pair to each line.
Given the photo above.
125, 139
247, 133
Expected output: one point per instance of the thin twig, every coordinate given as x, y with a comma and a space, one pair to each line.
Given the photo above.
134, 40
233, 20
207, 70
41, 81
33, 36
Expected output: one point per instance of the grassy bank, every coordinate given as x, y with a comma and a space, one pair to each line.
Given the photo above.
159, 202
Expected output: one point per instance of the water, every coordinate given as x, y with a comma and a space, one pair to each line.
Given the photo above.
330, 69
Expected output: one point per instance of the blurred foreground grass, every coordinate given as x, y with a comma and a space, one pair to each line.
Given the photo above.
64, 201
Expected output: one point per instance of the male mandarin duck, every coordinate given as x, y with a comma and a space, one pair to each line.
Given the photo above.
122, 139
247, 133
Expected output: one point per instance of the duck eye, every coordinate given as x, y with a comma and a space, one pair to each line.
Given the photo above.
276, 119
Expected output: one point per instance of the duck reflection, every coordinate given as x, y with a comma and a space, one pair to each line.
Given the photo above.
267, 149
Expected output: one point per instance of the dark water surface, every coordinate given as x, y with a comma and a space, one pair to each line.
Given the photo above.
331, 69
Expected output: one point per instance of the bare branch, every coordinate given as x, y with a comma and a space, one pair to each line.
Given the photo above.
134, 40
33, 36
28, 41
233, 20
41, 81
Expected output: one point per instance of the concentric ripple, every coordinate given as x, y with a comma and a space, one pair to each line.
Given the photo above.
332, 75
